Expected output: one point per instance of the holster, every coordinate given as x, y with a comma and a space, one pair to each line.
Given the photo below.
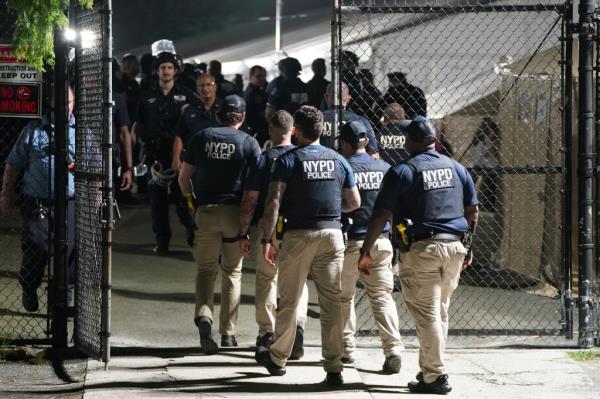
280, 228
403, 235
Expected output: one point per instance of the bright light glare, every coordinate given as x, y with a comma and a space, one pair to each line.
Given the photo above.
87, 39
70, 34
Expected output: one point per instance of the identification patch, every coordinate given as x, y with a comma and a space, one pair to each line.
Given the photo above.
179, 98
222, 151
318, 170
436, 179
368, 181
152, 100
299, 98
392, 142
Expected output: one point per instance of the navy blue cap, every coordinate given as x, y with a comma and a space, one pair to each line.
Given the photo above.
234, 103
353, 132
421, 130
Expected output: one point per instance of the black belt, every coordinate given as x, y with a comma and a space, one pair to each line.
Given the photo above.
358, 237
437, 236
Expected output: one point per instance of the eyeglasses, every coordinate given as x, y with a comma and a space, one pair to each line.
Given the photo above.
206, 84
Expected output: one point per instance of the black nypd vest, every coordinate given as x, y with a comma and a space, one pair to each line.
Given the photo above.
436, 194
221, 165
271, 156
368, 178
391, 139
313, 197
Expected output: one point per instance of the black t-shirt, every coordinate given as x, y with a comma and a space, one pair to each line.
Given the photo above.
132, 95
196, 118
222, 156
256, 102
289, 95
317, 87
120, 119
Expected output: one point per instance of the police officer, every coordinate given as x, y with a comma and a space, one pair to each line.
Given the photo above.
197, 117
224, 87
33, 155
438, 196
251, 210
368, 173
328, 137
314, 185
256, 98
290, 93
216, 161
390, 135
156, 122
410, 97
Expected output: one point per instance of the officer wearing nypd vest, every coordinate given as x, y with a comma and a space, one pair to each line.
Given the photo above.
390, 134
156, 122
215, 162
310, 187
433, 203
368, 173
251, 210
328, 138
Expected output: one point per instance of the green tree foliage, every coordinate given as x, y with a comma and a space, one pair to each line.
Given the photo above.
34, 28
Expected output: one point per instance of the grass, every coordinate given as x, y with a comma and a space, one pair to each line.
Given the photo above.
585, 355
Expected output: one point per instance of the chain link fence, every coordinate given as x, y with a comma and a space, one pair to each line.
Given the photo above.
91, 191
489, 74
24, 260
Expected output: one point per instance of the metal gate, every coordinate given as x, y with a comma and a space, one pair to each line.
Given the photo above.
93, 179
491, 76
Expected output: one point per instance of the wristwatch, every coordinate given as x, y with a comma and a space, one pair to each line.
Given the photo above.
266, 241
243, 236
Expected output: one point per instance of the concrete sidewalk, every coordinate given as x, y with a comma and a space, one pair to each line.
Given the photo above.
184, 372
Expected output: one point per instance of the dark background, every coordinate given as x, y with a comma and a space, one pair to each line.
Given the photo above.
141, 22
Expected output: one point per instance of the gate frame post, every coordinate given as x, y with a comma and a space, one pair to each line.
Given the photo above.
59, 281
585, 171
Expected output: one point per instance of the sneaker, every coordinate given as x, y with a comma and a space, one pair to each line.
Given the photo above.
30, 300
439, 387
347, 359
228, 341
207, 342
160, 250
419, 376
333, 379
392, 364
265, 341
298, 348
264, 359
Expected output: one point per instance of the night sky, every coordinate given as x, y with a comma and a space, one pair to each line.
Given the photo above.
140, 22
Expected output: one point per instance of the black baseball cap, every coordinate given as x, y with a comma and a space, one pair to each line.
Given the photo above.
421, 130
353, 132
234, 103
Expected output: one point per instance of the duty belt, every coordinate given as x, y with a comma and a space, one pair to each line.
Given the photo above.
437, 236
361, 236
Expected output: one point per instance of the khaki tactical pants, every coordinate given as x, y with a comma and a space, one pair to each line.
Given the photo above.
266, 294
429, 273
378, 285
214, 223
320, 252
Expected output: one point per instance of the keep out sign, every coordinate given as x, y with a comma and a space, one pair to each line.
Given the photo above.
20, 86
20, 100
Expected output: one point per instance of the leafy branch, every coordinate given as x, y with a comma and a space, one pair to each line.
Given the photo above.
34, 28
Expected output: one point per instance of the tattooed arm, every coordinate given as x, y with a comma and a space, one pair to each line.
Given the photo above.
247, 208
269, 220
